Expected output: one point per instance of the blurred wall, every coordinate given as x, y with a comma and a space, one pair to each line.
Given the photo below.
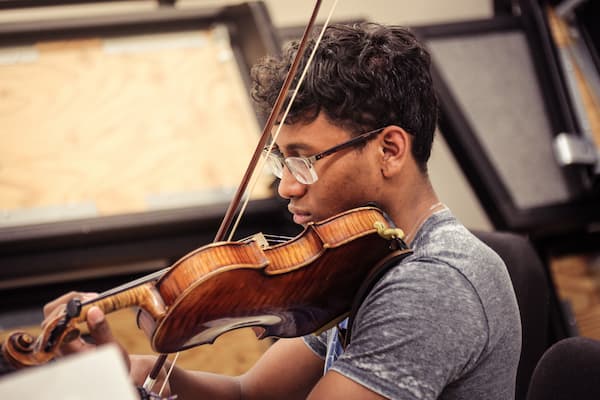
445, 174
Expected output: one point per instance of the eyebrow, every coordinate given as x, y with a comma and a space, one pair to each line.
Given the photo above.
295, 148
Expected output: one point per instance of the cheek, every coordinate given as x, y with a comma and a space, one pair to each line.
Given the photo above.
345, 183
356, 189
348, 191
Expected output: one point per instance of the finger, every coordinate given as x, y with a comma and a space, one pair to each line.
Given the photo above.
75, 346
98, 326
50, 316
141, 367
50, 308
162, 388
56, 308
101, 333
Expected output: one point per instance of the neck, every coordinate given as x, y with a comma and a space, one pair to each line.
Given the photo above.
417, 203
409, 235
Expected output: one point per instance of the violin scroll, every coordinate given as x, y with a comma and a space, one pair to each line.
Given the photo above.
23, 350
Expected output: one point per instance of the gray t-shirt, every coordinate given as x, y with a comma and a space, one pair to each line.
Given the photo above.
443, 324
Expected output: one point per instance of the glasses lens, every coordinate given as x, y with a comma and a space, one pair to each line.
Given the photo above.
302, 170
275, 163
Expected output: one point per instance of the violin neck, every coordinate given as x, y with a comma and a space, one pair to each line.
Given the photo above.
145, 296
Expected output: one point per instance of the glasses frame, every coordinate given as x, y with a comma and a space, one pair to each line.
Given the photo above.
309, 161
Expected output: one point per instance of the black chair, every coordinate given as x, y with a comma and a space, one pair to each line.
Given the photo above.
569, 370
533, 296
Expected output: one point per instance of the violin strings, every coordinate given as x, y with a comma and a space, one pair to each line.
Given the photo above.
137, 282
277, 238
269, 237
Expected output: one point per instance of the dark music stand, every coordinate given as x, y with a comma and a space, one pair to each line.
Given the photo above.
510, 189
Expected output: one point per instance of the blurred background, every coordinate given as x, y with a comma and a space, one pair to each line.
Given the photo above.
126, 127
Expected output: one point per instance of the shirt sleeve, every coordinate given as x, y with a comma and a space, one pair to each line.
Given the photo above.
317, 343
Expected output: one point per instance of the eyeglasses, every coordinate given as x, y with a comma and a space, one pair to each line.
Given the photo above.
302, 168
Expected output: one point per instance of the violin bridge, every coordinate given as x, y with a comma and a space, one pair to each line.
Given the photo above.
260, 239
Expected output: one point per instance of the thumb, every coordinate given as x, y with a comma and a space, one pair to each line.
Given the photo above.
101, 332
98, 326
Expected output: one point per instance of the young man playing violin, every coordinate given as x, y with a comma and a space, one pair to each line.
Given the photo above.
441, 324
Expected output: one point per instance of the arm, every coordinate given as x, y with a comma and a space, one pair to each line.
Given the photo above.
289, 369
292, 371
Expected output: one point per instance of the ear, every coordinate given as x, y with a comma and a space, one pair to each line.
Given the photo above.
395, 145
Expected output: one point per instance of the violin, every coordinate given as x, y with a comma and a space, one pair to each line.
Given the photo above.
285, 290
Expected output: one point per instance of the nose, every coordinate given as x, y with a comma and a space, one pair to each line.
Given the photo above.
289, 187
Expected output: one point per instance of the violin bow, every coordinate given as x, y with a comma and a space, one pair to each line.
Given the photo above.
241, 190
256, 157
265, 134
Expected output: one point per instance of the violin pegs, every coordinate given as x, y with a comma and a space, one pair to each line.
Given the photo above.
20, 351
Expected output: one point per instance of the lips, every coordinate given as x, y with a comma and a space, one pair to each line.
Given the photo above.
301, 217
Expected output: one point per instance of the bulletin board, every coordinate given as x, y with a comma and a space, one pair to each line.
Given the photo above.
123, 139
115, 125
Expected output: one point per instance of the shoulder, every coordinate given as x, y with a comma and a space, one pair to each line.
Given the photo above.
429, 292
438, 293
449, 245
444, 238
423, 315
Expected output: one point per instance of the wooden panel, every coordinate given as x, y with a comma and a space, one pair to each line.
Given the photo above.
122, 124
577, 279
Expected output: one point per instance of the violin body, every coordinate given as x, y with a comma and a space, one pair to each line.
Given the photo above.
286, 290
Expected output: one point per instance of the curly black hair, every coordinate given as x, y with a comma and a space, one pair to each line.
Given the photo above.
364, 76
